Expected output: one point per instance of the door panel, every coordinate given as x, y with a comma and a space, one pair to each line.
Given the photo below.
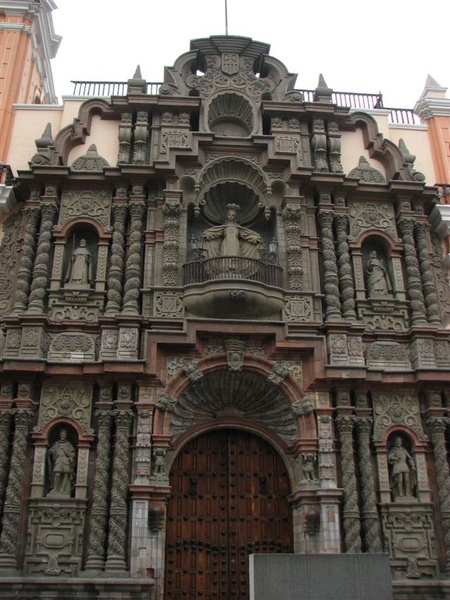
229, 499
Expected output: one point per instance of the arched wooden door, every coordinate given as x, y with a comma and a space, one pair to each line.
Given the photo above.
229, 500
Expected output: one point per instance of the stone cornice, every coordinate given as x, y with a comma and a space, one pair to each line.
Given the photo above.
426, 108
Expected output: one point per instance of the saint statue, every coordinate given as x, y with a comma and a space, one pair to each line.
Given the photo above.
403, 470
79, 272
232, 239
378, 283
61, 465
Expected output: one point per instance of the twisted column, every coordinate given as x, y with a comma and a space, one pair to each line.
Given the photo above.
369, 513
414, 283
330, 276
24, 275
345, 269
351, 515
99, 515
436, 427
134, 261
117, 531
117, 263
429, 289
41, 271
14, 490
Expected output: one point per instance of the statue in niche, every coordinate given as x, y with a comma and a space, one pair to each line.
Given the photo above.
79, 272
61, 465
403, 470
232, 239
378, 283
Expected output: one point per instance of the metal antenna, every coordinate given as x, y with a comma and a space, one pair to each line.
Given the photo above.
226, 17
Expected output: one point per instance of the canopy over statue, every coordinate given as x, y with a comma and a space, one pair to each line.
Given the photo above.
232, 239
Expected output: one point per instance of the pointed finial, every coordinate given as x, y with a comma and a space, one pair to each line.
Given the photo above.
322, 93
137, 85
46, 139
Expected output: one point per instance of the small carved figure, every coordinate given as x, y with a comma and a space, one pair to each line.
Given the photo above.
309, 460
403, 470
79, 272
232, 239
61, 462
159, 456
378, 283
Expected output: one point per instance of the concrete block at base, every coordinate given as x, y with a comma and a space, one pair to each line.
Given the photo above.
320, 577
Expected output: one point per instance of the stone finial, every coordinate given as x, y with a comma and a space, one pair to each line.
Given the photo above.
366, 173
45, 147
322, 93
91, 161
137, 85
46, 139
408, 165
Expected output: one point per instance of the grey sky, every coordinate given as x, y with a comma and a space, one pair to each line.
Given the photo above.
359, 46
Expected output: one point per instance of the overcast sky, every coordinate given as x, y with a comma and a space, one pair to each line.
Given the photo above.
359, 46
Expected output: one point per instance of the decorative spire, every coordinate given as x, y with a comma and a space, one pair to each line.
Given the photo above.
322, 93
137, 85
45, 147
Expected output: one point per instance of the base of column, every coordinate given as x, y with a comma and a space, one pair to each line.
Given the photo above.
94, 566
116, 565
8, 565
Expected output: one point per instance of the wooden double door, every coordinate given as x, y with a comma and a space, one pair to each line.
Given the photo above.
229, 500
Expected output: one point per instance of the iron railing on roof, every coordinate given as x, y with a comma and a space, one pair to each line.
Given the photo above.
105, 89
397, 116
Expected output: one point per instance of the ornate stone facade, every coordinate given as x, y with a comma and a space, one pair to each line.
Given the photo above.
239, 299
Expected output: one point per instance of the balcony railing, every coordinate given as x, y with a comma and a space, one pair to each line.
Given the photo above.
232, 267
397, 116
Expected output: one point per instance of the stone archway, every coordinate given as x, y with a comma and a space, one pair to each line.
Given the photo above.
229, 500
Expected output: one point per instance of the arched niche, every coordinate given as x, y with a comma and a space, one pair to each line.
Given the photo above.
80, 256
231, 114
378, 272
61, 461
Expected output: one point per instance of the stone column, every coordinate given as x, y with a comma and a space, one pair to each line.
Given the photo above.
140, 138
14, 491
24, 275
133, 270
117, 532
117, 263
40, 281
429, 289
171, 211
99, 516
414, 283
351, 517
5, 427
330, 276
125, 135
345, 269
292, 214
369, 513
436, 427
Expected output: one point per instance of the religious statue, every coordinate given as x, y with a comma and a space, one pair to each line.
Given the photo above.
232, 239
309, 461
61, 465
378, 283
79, 272
403, 470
